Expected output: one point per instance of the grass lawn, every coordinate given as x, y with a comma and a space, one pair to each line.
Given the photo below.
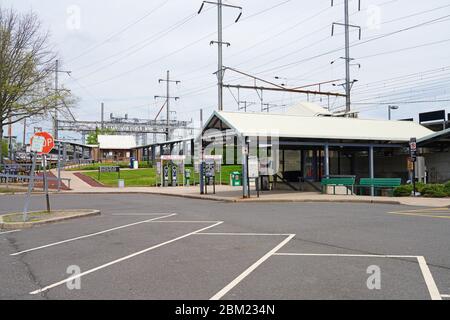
11, 190
95, 166
147, 177
32, 216
133, 178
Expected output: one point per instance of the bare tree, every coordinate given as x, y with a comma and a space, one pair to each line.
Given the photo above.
26, 70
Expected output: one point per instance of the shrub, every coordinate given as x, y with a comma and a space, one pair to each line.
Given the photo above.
447, 188
403, 191
434, 191
420, 186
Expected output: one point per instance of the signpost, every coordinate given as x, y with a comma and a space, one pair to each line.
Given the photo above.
41, 144
413, 157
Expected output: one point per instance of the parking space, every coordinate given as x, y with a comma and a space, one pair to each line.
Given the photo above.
210, 250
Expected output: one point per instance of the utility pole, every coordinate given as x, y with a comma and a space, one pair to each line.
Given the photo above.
24, 133
347, 58
168, 98
220, 43
10, 145
55, 116
103, 116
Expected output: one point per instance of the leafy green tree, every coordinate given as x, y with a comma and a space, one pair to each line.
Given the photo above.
92, 138
4, 148
27, 65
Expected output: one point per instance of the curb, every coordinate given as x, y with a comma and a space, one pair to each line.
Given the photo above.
241, 200
393, 202
26, 225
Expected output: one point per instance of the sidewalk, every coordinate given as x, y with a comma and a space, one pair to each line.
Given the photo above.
234, 194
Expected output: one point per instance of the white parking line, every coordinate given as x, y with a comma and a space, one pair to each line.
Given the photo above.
243, 234
12, 231
121, 259
343, 255
426, 273
445, 296
432, 287
91, 235
252, 268
184, 221
138, 214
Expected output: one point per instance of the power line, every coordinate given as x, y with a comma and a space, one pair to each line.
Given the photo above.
127, 27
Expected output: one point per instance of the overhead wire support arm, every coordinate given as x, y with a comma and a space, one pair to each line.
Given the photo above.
285, 90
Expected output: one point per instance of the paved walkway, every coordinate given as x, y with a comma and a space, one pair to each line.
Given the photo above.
234, 194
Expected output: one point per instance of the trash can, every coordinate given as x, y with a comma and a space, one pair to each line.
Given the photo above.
235, 179
121, 183
132, 162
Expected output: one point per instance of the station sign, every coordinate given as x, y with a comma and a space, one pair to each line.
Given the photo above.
413, 149
253, 167
210, 168
109, 169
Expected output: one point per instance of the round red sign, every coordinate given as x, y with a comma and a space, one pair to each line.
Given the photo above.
49, 143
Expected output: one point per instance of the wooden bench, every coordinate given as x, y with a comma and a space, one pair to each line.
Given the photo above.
338, 182
380, 183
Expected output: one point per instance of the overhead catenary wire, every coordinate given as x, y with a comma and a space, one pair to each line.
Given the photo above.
122, 30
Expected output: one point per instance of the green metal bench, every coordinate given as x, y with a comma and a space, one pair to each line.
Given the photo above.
380, 183
338, 182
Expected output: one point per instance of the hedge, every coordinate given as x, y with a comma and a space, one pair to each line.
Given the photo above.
426, 190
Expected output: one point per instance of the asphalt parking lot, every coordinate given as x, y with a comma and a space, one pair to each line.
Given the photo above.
155, 247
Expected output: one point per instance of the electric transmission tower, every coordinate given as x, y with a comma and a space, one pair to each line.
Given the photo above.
55, 116
220, 43
167, 97
348, 82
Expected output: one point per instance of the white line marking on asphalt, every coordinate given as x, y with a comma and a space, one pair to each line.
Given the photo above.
12, 231
243, 275
445, 296
91, 235
344, 255
185, 221
243, 234
121, 259
432, 287
138, 214
429, 280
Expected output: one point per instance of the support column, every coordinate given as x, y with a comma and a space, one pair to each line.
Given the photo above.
371, 169
303, 163
244, 167
327, 161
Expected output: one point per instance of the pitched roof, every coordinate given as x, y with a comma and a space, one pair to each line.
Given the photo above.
116, 142
293, 126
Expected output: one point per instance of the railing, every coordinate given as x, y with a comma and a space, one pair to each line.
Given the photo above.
9, 178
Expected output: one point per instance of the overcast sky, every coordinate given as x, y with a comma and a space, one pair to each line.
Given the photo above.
118, 49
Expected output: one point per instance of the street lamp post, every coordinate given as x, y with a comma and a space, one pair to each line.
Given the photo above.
390, 108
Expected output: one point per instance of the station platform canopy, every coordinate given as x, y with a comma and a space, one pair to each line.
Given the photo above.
315, 127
